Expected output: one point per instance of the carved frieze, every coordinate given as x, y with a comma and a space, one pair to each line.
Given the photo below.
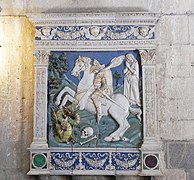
82, 33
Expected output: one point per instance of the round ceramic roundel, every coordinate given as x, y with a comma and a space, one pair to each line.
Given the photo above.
151, 161
39, 160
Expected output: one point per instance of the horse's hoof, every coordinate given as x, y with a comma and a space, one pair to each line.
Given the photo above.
124, 139
57, 103
98, 118
111, 138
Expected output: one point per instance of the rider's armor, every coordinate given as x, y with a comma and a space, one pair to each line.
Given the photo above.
102, 89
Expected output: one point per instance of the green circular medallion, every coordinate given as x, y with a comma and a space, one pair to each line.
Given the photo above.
39, 160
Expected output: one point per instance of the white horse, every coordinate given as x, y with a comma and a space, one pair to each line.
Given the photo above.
116, 106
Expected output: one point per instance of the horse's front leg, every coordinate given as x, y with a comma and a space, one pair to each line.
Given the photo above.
64, 90
68, 98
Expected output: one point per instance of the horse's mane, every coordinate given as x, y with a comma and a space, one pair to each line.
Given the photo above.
84, 59
88, 61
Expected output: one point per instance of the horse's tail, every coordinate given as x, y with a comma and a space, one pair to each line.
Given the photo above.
136, 111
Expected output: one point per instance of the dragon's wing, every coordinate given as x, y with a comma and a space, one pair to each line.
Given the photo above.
54, 115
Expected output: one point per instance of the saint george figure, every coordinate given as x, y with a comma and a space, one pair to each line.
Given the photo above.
103, 87
131, 80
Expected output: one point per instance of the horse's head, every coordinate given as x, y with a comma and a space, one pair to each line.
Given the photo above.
81, 64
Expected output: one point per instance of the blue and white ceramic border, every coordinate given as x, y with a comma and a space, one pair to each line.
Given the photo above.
95, 161
100, 33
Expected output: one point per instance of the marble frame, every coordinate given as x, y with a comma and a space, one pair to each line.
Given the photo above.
40, 154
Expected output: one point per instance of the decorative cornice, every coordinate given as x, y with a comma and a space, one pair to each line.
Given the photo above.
96, 45
94, 18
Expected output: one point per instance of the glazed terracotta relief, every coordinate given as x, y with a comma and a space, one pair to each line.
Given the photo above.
95, 95
95, 99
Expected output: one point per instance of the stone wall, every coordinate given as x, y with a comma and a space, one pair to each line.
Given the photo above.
175, 73
16, 95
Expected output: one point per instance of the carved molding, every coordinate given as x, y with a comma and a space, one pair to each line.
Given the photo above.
95, 45
149, 100
149, 92
40, 101
93, 18
41, 77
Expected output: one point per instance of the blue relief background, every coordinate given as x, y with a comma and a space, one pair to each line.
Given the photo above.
60, 65
82, 33
110, 161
